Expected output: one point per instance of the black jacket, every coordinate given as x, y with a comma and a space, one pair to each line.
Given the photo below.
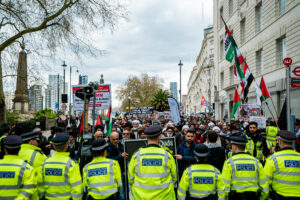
216, 155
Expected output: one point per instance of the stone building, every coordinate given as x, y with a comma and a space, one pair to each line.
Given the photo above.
202, 81
266, 31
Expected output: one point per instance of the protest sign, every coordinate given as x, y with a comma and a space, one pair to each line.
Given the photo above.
261, 121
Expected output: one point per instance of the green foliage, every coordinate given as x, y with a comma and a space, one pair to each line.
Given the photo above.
159, 100
45, 113
12, 117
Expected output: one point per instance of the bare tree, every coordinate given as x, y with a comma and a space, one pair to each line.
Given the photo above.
52, 26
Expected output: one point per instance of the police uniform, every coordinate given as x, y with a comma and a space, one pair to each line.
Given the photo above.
283, 169
59, 176
16, 176
152, 171
272, 132
243, 175
102, 176
201, 180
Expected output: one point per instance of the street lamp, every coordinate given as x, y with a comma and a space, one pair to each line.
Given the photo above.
180, 65
129, 98
64, 66
95, 86
71, 88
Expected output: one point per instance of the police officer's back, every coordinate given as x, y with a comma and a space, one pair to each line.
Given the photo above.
16, 176
283, 169
201, 180
243, 175
152, 170
59, 176
102, 176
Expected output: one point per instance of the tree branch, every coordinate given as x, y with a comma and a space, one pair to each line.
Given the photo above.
43, 7
43, 25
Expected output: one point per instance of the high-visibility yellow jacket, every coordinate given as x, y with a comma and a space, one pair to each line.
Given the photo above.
102, 177
283, 172
259, 149
17, 180
244, 173
32, 154
152, 174
59, 178
271, 134
201, 180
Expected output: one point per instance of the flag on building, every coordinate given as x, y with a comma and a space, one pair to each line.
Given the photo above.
264, 90
108, 122
236, 103
205, 103
233, 53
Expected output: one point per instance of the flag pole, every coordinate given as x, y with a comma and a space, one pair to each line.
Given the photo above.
274, 107
272, 114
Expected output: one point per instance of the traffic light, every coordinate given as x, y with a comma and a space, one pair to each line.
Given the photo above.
64, 98
88, 91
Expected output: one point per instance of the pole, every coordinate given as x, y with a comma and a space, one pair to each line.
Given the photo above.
180, 64
272, 114
57, 92
94, 108
129, 107
70, 96
64, 87
288, 98
85, 115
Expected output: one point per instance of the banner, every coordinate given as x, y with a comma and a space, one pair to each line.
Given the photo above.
247, 110
103, 98
174, 110
142, 110
261, 121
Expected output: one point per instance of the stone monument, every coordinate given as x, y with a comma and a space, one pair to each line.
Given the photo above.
21, 100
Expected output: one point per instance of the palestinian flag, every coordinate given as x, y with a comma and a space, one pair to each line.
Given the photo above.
264, 90
236, 103
247, 80
99, 121
108, 122
81, 124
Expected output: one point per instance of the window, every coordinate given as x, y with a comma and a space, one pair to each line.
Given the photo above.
221, 50
281, 6
243, 30
211, 42
259, 62
281, 49
230, 7
231, 75
208, 72
222, 79
221, 15
258, 17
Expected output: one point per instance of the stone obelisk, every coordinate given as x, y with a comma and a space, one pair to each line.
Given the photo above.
21, 100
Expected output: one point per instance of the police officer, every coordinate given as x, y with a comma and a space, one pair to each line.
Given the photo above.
59, 176
102, 176
6, 131
30, 150
201, 180
272, 132
243, 175
152, 170
283, 169
16, 176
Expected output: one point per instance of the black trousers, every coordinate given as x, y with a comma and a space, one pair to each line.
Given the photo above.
279, 197
210, 197
112, 197
243, 196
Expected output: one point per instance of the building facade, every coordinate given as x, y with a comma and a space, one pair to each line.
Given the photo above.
266, 31
83, 80
35, 97
54, 91
202, 78
173, 89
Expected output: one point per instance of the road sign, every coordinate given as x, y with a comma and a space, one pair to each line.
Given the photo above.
287, 61
64, 106
181, 108
295, 76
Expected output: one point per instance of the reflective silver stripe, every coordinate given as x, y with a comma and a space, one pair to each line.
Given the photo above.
245, 178
11, 165
145, 175
232, 166
265, 189
95, 185
32, 157
287, 182
226, 181
221, 191
150, 187
120, 183
76, 195
181, 198
76, 183
9, 187
273, 157
28, 186
234, 177
203, 192
250, 146
216, 179
105, 192
41, 194
55, 183
242, 187
8, 198
289, 173
68, 164
26, 194
151, 154
262, 180
190, 176
21, 173
182, 191
59, 194
221, 198
52, 163
203, 171
97, 163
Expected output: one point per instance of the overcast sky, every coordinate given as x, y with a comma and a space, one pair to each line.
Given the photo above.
158, 34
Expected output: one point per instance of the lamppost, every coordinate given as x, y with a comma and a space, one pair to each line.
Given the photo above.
129, 108
180, 65
64, 66
95, 86
71, 88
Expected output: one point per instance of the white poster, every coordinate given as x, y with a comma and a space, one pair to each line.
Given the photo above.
103, 98
174, 110
261, 121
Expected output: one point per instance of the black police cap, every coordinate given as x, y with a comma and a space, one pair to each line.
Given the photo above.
29, 136
60, 139
58, 129
12, 142
201, 150
99, 145
286, 136
153, 130
240, 140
